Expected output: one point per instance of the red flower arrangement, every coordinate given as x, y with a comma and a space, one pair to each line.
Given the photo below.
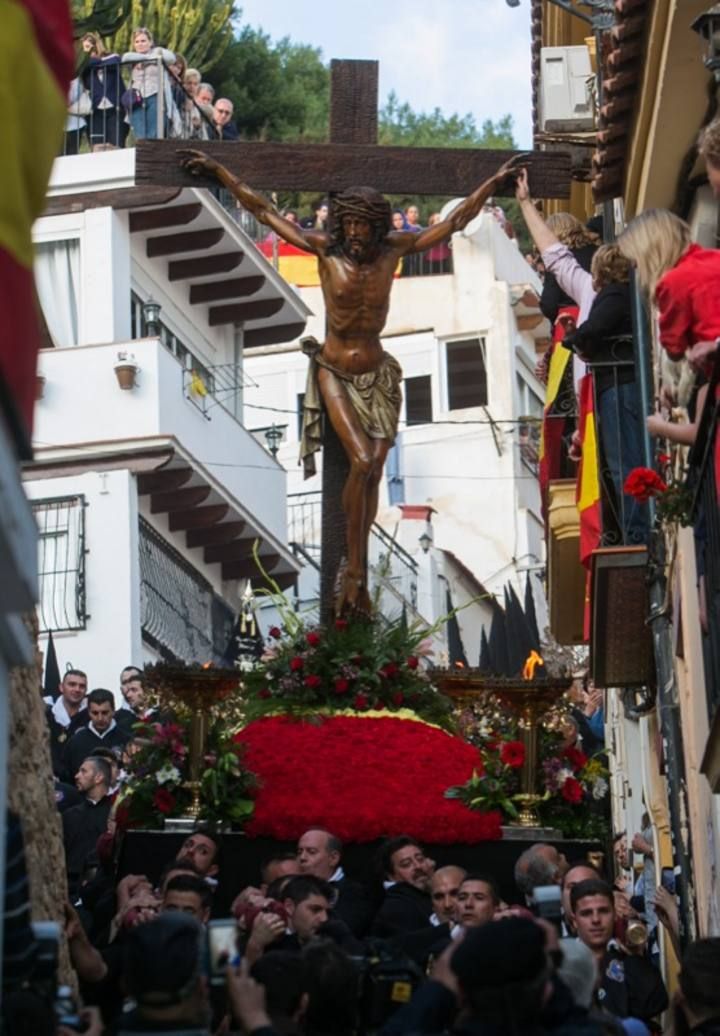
644, 483
362, 778
572, 790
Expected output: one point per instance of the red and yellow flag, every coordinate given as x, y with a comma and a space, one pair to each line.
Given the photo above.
37, 58
554, 425
588, 478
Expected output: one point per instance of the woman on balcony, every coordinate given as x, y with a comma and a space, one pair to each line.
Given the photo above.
603, 336
148, 79
104, 83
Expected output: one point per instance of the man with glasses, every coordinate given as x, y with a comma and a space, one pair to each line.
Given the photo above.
222, 116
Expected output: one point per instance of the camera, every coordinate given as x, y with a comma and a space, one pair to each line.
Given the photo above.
546, 903
222, 948
387, 981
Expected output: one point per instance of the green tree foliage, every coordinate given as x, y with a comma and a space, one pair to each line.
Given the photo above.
198, 29
102, 16
281, 91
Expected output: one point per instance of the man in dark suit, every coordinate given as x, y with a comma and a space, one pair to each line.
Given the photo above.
101, 731
319, 854
83, 824
305, 912
65, 715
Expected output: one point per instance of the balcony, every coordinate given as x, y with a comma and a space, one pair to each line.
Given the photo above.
566, 576
194, 461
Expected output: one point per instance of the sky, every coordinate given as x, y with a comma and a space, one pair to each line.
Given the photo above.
464, 56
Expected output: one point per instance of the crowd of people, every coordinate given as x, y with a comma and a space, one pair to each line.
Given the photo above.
149, 90
414, 948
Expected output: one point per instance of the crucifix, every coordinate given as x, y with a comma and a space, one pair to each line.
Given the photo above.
352, 379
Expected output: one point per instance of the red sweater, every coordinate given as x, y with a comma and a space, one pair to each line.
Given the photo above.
688, 298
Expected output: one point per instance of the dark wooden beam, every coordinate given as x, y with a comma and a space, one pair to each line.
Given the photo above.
178, 499
237, 550
197, 517
285, 579
189, 241
163, 481
248, 569
236, 313
272, 335
454, 172
183, 269
234, 288
168, 216
225, 533
354, 92
122, 198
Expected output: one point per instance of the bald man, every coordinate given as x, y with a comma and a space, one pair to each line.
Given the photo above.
444, 887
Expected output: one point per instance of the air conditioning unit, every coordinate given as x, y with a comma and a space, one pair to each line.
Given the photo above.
566, 100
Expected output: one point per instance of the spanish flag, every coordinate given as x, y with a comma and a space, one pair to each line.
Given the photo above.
37, 58
556, 419
294, 265
588, 490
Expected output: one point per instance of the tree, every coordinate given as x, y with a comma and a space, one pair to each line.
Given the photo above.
200, 30
102, 16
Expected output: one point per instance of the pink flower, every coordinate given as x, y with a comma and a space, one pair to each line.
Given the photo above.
425, 648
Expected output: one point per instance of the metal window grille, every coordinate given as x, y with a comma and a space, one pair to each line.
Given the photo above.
61, 564
181, 616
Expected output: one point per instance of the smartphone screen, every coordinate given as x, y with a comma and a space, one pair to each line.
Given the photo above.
667, 879
222, 948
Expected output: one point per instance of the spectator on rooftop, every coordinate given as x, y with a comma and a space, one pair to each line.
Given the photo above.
146, 82
206, 95
76, 119
223, 119
104, 83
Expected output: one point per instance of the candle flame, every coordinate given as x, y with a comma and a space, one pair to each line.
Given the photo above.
459, 665
531, 663
207, 665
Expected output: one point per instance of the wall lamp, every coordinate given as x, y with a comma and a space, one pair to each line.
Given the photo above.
151, 318
425, 541
707, 26
273, 438
602, 16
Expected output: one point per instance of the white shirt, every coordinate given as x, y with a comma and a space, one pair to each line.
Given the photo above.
60, 712
104, 733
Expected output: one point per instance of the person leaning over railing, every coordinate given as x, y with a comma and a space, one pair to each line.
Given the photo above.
141, 100
602, 336
103, 81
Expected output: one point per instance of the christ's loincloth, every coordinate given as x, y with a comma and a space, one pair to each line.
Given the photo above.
375, 397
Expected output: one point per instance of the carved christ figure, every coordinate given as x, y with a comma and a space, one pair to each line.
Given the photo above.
350, 374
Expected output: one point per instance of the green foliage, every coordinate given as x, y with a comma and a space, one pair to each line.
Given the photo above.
102, 16
200, 30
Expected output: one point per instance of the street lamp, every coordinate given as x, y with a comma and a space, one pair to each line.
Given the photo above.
151, 317
273, 438
425, 542
707, 26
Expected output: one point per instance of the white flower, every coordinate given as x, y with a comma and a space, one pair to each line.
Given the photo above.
168, 775
564, 775
599, 788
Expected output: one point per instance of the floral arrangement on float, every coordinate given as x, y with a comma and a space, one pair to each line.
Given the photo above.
185, 763
574, 786
346, 730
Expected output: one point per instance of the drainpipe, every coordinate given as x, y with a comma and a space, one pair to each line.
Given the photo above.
668, 705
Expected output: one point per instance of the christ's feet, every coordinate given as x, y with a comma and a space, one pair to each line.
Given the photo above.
352, 594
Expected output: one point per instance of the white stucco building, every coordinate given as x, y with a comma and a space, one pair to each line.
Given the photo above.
150, 499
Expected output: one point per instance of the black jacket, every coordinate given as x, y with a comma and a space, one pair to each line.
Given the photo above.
353, 906
631, 987
404, 909
82, 826
84, 742
606, 334
59, 737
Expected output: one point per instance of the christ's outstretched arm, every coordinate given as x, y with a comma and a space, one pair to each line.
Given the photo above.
263, 210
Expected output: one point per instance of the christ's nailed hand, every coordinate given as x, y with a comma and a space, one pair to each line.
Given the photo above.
196, 162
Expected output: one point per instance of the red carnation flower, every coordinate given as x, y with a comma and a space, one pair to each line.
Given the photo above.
313, 681
572, 791
389, 670
275, 632
296, 663
313, 639
341, 624
265, 693
512, 753
398, 698
412, 662
642, 483
664, 458
575, 757
163, 801
360, 701
342, 686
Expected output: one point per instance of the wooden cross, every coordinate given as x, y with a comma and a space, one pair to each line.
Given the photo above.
352, 157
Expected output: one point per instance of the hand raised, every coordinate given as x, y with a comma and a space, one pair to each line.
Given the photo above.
522, 188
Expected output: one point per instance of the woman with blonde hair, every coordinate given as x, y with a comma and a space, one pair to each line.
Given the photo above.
141, 100
103, 82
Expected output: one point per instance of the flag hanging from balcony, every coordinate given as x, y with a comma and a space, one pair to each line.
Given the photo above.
559, 409
37, 58
588, 479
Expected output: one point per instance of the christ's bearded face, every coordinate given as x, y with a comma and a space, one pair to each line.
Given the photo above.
357, 236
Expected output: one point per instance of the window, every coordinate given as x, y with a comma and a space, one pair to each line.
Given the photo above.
418, 400
57, 278
466, 374
61, 563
